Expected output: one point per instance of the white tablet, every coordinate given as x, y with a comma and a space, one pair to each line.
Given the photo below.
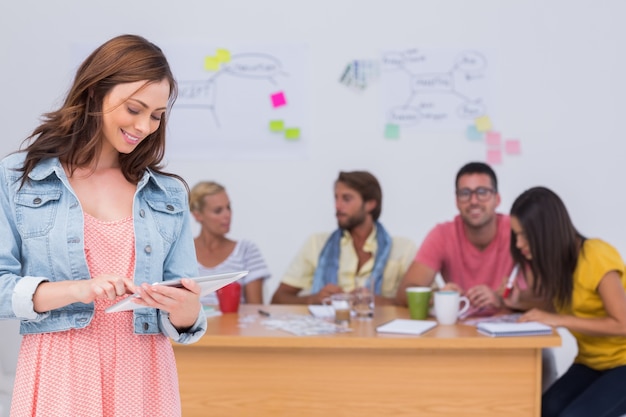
208, 284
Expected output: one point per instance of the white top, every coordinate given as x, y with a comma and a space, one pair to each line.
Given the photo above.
245, 257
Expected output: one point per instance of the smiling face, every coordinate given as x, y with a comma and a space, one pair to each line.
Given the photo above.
131, 112
474, 212
521, 241
216, 214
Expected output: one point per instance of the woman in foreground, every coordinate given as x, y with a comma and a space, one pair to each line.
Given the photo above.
89, 217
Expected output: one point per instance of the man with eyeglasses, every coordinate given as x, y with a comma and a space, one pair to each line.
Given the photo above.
472, 251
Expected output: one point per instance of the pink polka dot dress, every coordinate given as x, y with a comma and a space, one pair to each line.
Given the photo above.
104, 369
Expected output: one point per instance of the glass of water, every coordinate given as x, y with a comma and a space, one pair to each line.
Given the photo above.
363, 301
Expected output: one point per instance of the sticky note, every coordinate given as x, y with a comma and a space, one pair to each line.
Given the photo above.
492, 139
512, 147
472, 133
222, 55
211, 63
392, 131
278, 99
277, 125
494, 156
483, 123
292, 133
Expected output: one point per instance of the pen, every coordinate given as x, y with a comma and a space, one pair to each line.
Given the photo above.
510, 282
264, 313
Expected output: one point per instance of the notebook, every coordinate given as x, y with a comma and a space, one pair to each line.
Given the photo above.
406, 326
530, 328
208, 284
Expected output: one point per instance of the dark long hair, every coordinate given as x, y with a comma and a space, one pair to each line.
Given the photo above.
73, 133
554, 243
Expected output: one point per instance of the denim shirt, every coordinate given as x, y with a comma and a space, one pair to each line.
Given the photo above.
41, 239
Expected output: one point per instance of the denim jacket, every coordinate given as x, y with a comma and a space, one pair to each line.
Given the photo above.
41, 239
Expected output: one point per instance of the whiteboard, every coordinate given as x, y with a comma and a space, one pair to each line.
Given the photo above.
556, 83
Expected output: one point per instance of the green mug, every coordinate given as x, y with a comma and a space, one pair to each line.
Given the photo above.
418, 299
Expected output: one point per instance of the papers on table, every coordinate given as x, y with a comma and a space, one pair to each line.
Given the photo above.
303, 325
530, 328
406, 326
322, 312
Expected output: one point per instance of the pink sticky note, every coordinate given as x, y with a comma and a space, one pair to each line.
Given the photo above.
278, 99
512, 147
492, 139
494, 156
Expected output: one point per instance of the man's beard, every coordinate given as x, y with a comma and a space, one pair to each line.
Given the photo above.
352, 221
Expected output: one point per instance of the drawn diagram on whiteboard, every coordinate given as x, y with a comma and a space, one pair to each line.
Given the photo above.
246, 104
434, 89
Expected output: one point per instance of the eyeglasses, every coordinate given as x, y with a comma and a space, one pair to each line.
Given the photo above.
482, 194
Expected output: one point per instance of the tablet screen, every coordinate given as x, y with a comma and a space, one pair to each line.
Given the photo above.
208, 284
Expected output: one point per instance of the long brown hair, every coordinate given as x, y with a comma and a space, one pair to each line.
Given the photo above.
73, 133
554, 243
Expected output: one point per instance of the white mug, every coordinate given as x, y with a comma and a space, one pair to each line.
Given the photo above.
448, 306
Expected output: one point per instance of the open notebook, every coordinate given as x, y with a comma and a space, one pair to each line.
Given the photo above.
530, 328
406, 326
208, 284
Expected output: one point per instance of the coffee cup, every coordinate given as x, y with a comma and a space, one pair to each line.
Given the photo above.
341, 304
418, 300
448, 306
228, 297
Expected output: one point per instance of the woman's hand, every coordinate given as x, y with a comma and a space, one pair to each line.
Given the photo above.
183, 304
481, 296
105, 286
551, 319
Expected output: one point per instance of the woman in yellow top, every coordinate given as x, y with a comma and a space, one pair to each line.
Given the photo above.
583, 280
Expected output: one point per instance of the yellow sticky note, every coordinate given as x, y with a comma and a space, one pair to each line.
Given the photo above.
292, 133
222, 55
483, 123
211, 63
277, 125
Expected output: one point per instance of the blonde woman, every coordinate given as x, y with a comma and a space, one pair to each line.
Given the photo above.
216, 254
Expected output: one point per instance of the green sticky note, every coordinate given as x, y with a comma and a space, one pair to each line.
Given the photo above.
211, 63
222, 55
292, 133
392, 131
277, 125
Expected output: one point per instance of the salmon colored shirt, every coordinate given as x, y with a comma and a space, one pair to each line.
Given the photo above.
447, 250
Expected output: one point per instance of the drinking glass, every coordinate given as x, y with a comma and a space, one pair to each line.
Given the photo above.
363, 301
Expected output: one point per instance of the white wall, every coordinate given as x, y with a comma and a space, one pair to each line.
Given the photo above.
560, 90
